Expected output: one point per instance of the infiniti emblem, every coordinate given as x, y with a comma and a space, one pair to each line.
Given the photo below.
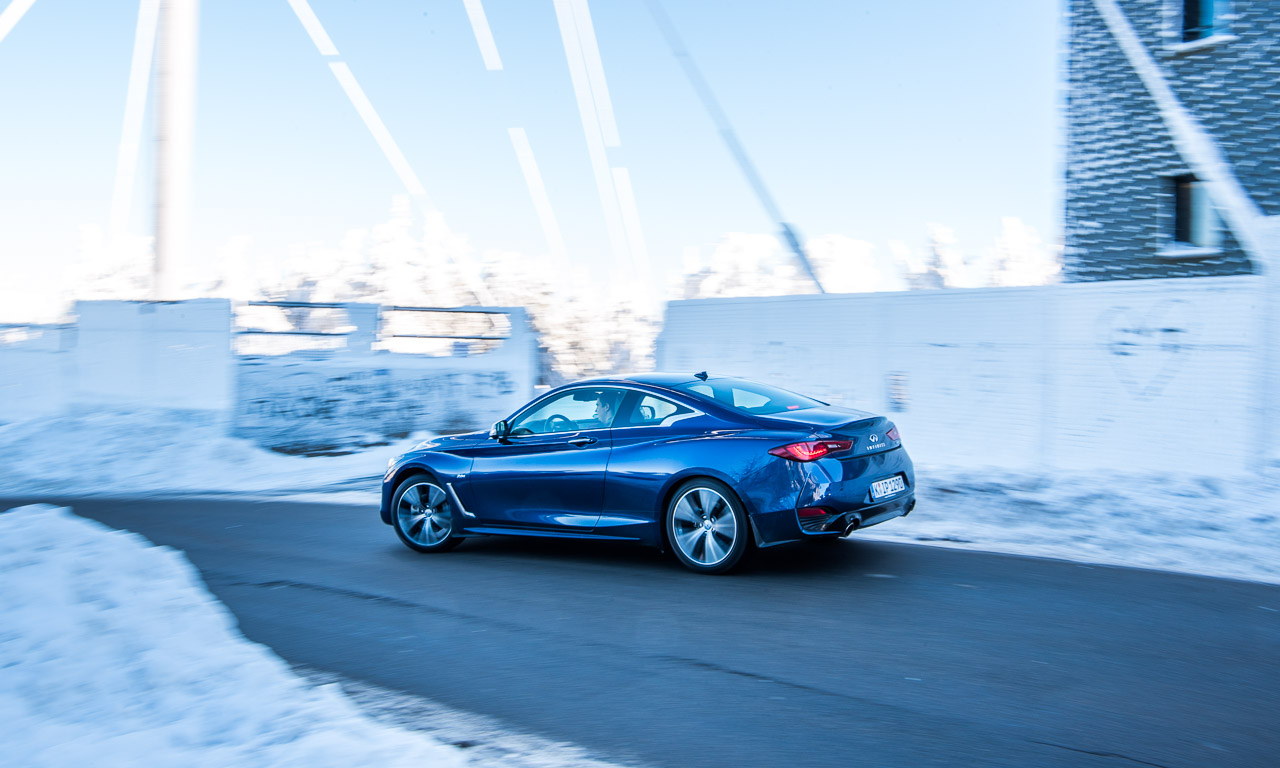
875, 438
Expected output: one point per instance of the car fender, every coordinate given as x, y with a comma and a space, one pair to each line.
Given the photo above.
764, 486
676, 480
445, 467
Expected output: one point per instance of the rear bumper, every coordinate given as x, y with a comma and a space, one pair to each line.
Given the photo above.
844, 523
841, 488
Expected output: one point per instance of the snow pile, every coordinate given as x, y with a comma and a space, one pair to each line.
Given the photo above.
1215, 527
130, 452
113, 654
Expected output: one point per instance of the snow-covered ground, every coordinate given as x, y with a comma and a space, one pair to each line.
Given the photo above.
154, 452
112, 653
1204, 525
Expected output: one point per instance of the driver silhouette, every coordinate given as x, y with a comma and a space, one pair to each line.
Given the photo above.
604, 412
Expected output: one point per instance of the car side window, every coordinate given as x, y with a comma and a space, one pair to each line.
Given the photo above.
577, 409
651, 411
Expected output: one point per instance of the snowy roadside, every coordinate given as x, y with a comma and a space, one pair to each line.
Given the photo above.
112, 653
1207, 526
116, 453
1203, 525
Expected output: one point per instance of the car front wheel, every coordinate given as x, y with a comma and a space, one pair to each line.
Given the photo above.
707, 526
423, 515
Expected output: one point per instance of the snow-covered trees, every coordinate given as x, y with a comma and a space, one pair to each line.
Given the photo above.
759, 265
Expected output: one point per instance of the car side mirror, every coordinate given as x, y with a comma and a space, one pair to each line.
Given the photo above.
499, 430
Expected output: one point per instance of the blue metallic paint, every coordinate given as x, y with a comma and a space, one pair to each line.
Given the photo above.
539, 481
619, 486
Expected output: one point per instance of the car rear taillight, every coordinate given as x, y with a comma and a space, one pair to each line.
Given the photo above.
811, 449
812, 512
892, 434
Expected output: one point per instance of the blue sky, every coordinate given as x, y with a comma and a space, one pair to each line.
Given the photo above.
866, 119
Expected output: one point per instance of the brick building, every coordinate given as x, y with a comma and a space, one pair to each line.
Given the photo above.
1173, 148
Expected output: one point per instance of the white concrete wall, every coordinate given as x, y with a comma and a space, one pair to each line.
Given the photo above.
174, 355
1150, 375
178, 356
37, 366
123, 355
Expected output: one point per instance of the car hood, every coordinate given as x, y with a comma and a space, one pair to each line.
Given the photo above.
445, 442
821, 417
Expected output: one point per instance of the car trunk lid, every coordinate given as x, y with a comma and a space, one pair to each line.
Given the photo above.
819, 419
868, 432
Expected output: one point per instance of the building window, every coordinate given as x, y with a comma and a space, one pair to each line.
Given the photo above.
1199, 19
1195, 221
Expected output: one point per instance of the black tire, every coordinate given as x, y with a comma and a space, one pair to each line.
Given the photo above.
707, 526
427, 523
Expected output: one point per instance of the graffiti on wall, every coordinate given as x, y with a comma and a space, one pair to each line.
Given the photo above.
1147, 346
896, 391
302, 408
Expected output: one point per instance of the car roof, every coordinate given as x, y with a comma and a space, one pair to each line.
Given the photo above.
657, 379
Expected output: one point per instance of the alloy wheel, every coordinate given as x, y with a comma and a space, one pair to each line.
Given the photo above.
704, 526
423, 514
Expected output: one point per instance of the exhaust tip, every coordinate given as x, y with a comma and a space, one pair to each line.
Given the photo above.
852, 526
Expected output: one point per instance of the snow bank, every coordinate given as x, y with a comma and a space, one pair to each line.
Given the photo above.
1201, 525
106, 452
113, 654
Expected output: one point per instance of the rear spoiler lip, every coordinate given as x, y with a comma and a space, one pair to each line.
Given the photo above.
857, 429
858, 424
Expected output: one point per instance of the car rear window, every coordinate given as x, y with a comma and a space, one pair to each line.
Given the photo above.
749, 396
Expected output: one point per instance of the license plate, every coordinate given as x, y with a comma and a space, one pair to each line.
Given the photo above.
888, 487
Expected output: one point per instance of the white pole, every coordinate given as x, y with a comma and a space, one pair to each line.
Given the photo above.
135, 107
175, 121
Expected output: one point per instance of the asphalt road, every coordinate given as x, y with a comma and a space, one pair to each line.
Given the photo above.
852, 654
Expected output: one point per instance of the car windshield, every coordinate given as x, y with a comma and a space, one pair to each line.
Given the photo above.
749, 396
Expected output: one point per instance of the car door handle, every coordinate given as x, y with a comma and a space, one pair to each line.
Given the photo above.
581, 441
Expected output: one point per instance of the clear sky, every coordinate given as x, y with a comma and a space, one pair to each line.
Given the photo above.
867, 119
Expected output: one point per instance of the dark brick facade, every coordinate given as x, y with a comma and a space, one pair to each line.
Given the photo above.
1120, 157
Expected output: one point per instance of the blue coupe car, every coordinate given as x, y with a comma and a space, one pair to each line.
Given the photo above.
705, 466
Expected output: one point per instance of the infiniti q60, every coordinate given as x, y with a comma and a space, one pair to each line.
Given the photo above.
704, 466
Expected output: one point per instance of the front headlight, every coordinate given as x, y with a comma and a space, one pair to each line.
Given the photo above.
391, 462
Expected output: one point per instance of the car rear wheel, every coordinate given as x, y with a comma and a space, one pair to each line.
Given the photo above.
707, 526
423, 515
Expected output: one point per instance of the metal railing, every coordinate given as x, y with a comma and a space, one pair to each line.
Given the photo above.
366, 326
459, 310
